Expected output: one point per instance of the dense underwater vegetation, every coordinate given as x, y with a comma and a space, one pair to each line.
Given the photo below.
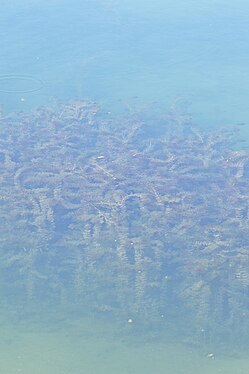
124, 221
102, 213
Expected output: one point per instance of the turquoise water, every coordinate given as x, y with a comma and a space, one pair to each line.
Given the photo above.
113, 50
127, 56
81, 349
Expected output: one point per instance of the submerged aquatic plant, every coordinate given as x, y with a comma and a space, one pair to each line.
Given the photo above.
95, 210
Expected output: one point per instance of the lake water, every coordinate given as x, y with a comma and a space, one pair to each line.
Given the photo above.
147, 62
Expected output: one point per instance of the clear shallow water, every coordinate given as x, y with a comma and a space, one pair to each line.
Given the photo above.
111, 50
120, 54
94, 346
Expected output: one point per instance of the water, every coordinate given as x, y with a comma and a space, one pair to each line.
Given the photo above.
89, 282
76, 350
80, 349
110, 50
